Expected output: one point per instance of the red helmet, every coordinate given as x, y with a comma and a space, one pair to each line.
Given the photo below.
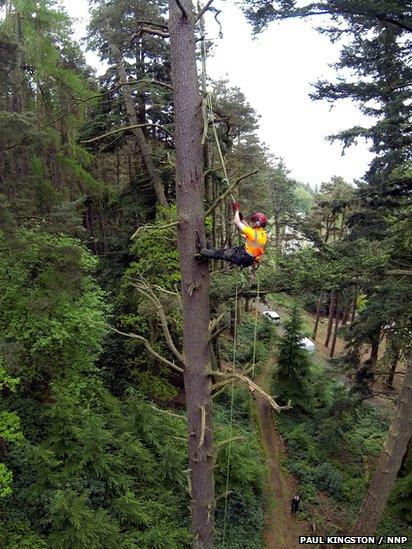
258, 219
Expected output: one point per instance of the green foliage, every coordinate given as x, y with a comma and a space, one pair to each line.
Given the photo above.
60, 306
155, 254
244, 510
292, 380
6, 478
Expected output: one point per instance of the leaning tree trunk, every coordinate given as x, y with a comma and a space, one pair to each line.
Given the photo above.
138, 132
335, 331
195, 274
332, 307
376, 339
390, 460
318, 311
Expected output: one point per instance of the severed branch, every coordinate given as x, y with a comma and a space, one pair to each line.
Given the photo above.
126, 128
222, 197
213, 324
153, 227
204, 10
401, 272
148, 30
230, 377
148, 347
146, 290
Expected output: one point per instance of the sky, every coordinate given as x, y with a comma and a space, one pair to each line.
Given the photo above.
275, 72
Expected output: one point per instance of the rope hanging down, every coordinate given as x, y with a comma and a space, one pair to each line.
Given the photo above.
207, 107
229, 450
209, 117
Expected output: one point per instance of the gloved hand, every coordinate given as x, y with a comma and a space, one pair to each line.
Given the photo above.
235, 206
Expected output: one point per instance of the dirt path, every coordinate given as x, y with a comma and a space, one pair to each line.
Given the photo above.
281, 529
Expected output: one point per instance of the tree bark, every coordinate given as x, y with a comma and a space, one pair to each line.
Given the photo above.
346, 312
138, 132
195, 274
375, 349
390, 460
355, 298
318, 310
278, 236
17, 76
396, 352
332, 307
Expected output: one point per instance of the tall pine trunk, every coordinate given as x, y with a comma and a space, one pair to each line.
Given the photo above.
375, 348
390, 460
335, 331
143, 145
195, 274
332, 307
318, 311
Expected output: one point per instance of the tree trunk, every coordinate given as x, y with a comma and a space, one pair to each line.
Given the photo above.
396, 352
355, 298
375, 349
17, 76
138, 132
390, 460
318, 310
195, 274
335, 332
278, 237
346, 312
332, 307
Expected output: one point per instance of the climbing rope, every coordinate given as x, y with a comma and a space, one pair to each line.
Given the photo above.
209, 117
255, 327
207, 108
229, 450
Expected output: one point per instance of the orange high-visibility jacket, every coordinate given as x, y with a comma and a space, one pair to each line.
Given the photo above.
256, 240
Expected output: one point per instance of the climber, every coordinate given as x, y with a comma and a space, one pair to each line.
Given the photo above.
254, 247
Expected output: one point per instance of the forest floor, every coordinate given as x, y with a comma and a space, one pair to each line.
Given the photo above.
282, 530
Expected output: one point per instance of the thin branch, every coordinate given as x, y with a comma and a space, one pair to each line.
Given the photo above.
148, 347
407, 272
149, 293
227, 441
152, 24
124, 129
253, 387
148, 30
182, 9
168, 413
222, 197
215, 322
216, 333
153, 227
204, 9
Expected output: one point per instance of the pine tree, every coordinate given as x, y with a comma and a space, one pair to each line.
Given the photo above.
293, 376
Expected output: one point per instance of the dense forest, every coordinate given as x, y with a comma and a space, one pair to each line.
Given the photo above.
147, 400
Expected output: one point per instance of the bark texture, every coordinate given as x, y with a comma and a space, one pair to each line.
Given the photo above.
195, 274
390, 460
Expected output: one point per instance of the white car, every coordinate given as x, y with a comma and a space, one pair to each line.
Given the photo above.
273, 316
307, 344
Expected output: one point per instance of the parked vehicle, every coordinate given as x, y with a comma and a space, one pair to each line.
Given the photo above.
307, 344
273, 316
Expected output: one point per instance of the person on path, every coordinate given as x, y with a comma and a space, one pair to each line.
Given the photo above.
294, 505
252, 251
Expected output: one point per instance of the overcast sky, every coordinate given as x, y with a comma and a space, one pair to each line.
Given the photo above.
275, 72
